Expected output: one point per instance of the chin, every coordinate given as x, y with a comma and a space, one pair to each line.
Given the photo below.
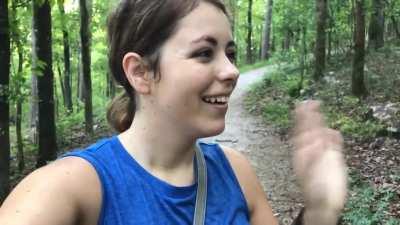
213, 130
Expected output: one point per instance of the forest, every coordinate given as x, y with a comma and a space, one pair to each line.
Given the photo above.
55, 84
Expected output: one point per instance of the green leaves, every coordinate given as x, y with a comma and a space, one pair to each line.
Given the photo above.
4, 90
368, 206
38, 67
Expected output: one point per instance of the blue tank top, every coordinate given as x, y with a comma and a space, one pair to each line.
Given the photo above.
132, 196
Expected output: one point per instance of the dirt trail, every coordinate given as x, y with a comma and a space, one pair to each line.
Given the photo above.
268, 154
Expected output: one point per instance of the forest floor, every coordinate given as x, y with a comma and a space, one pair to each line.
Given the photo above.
370, 125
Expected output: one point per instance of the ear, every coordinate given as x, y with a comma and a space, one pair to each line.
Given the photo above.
136, 72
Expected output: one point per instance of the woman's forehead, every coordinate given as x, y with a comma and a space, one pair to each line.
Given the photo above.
204, 21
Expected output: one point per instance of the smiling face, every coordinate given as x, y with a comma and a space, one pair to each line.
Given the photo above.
197, 73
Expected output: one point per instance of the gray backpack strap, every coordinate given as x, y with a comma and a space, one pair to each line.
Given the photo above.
201, 196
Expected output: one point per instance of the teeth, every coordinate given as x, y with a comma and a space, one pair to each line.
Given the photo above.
213, 100
219, 99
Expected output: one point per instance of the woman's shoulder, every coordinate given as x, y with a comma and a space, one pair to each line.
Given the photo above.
240, 165
259, 208
57, 193
235, 158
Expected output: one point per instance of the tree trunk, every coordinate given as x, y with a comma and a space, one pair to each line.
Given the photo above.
265, 50
62, 86
287, 39
396, 26
34, 110
34, 102
357, 84
273, 44
43, 62
110, 86
329, 45
56, 102
320, 45
352, 23
232, 8
67, 62
304, 53
376, 25
331, 25
5, 53
18, 121
303, 59
20, 145
80, 87
86, 62
16, 38
249, 48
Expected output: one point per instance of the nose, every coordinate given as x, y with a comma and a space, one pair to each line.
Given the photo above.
228, 71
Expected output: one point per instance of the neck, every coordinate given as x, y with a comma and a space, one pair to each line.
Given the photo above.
161, 149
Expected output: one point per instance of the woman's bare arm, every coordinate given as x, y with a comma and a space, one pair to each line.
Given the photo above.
57, 194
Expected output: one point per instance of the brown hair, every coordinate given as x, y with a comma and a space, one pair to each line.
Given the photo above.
141, 26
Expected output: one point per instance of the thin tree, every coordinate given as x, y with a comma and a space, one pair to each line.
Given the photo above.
232, 9
249, 47
376, 25
287, 38
265, 50
110, 86
42, 64
5, 53
320, 45
19, 80
86, 62
67, 62
395, 26
357, 85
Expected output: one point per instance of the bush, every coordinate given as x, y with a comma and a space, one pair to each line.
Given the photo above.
278, 114
354, 127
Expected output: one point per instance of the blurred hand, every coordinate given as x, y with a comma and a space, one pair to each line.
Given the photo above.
319, 165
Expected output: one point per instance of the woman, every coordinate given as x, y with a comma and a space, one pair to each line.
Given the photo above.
175, 60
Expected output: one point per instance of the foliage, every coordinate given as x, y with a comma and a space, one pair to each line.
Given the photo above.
354, 127
272, 99
367, 205
271, 96
278, 114
65, 122
256, 65
343, 111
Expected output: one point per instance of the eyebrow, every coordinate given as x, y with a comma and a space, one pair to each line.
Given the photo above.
212, 41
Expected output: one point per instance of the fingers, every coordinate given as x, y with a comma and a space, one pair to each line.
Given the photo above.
308, 116
310, 146
311, 137
325, 136
317, 159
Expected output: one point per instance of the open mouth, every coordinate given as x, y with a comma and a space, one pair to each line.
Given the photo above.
217, 100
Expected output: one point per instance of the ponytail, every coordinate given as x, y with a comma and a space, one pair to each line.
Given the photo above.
121, 112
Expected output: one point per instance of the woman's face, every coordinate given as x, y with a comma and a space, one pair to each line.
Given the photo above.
198, 73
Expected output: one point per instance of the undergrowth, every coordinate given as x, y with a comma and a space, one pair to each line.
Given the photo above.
276, 95
245, 68
367, 205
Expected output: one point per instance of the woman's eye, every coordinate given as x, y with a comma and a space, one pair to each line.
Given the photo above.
204, 55
231, 56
